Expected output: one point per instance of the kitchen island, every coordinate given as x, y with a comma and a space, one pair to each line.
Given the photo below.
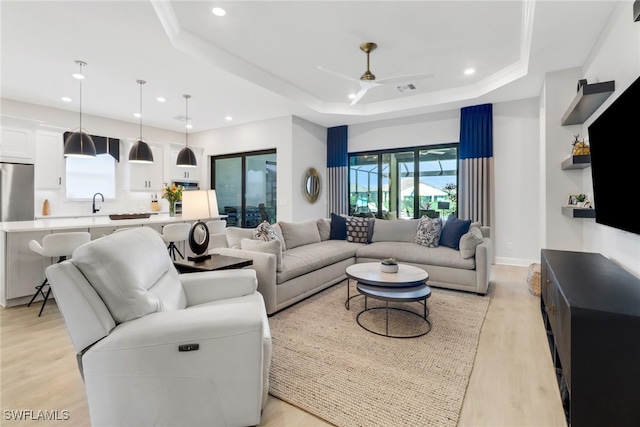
21, 269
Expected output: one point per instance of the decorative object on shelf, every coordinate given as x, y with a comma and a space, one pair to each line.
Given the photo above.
572, 200
172, 193
79, 143
155, 206
580, 148
140, 151
588, 205
580, 200
199, 205
389, 265
186, 156
311, 185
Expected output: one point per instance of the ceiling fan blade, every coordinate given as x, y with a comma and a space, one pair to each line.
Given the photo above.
337, 74
359, 95
399, 79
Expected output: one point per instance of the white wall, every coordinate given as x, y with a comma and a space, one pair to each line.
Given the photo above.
616, 56
262, 135
68, 120
516, 165
309, 150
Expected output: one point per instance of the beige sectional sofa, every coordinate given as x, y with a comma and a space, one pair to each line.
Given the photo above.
311, 261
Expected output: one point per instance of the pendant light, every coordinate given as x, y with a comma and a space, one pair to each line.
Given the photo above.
186, 156
79, 143
140, 151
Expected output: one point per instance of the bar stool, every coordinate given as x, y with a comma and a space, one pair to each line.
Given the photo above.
172, 233
58, 245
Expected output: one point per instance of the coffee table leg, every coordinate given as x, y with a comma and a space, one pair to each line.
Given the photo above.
387, 316
348, 284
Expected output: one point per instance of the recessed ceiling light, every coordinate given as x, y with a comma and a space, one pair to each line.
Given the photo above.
469, 71
78, 76
137, 115
218, 11
189, 126
160, 99
66, 99
228, 118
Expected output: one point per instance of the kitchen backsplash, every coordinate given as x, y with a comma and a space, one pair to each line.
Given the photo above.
125, 202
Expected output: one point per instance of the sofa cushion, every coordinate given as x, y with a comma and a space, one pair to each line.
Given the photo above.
324, 228
264, 232
338, 227
278, 231
402, 230
452, 231
415, 254
235, 235
300, 233
308, 258
428, 232
469, 241
359, 230
131, 285
270, 247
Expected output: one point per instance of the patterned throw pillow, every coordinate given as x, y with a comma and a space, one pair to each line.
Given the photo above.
359, 230
265, 232
428, 232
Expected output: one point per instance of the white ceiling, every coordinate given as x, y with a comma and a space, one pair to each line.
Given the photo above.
262, 59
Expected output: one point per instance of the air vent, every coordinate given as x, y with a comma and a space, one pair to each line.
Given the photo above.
180, 118
406, 88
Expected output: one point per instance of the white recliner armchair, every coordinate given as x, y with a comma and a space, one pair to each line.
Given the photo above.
158, 348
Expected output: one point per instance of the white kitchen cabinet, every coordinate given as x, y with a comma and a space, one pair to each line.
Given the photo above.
17, 140
49, 166
144, 177
182, 174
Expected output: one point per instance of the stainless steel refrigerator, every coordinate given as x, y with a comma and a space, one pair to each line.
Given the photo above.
16, 192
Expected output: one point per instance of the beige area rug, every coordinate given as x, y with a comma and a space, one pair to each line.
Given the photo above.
326, 364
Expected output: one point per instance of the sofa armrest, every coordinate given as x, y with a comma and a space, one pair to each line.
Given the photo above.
483, 265
210, 286
265, 266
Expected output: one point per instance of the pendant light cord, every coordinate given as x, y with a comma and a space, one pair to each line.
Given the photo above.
80, 64
186, 119
141, 82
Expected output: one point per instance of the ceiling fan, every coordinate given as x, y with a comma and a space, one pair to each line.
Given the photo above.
368, 80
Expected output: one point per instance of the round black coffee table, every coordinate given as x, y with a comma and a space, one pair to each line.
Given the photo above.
407, 285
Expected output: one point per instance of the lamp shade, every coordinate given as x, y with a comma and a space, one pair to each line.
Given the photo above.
443, 205
140, 152
79, 144
187, 158
199, 204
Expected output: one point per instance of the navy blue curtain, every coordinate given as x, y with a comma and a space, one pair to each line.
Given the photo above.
337, 169
475, 195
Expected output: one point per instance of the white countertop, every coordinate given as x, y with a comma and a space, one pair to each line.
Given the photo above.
86, 222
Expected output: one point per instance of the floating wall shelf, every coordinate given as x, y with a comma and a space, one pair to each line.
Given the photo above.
578, 212
577, 162
586, 102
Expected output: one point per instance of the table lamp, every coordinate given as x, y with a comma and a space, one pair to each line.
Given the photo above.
199, 205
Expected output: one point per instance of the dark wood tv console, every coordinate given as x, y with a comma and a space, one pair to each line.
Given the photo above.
591, 311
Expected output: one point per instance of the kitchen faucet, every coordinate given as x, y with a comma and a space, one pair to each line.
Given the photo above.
94, 202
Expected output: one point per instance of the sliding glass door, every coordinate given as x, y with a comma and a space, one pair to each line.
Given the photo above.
245, 186
404, 183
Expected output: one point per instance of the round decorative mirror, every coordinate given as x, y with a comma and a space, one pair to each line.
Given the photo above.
199, 238
311, 185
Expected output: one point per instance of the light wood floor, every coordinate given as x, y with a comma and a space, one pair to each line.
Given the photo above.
512, 383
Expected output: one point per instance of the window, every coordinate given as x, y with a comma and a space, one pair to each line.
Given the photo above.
404, 183
87, 176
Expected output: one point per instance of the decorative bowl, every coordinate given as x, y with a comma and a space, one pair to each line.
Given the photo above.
389, 268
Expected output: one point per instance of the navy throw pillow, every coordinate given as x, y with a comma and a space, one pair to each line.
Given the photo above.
452, 231
338, 227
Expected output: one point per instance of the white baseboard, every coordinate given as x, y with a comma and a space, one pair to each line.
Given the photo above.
516, 261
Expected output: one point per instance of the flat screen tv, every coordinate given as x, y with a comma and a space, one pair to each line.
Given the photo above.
614, 138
